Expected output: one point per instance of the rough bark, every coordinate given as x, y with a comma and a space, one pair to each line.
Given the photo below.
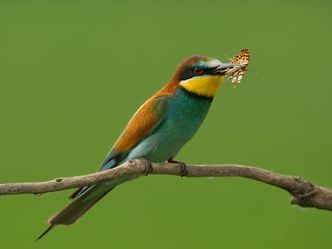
303, 192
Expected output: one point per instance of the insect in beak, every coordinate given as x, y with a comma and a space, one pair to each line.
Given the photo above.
241, 60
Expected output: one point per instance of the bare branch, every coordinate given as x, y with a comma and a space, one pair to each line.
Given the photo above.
304, 193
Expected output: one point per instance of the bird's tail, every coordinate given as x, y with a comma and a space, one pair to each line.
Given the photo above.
79, 206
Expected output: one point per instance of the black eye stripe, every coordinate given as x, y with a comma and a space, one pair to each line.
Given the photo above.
187, 73
191, 72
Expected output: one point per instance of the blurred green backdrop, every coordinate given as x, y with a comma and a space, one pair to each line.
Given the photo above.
73, 72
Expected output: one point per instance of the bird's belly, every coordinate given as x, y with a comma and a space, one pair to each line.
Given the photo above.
184, 117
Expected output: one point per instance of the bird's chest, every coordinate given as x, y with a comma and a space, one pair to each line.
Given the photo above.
185, 114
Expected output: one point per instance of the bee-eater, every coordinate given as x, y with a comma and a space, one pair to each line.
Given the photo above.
159, 128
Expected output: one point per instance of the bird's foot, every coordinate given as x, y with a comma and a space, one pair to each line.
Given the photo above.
183, 166
148, 166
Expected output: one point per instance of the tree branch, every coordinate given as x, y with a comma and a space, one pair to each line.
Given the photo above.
304, 193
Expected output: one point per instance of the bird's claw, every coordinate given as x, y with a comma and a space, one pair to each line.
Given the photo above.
148, 166
183, 167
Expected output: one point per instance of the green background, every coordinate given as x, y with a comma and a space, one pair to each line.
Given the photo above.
73, 72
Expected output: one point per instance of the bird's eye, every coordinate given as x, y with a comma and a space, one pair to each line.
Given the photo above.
198, 70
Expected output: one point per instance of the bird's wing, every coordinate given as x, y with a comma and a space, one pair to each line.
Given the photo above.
147, 118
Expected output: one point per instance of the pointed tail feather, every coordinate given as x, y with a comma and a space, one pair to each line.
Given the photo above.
78, 192
78, 207
45, 232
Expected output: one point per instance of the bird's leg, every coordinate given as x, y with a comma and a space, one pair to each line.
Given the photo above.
183, 166
148, 166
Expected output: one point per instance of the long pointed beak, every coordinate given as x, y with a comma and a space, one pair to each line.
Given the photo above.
225, 68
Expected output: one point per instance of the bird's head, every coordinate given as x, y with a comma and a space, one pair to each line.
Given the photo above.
201, 75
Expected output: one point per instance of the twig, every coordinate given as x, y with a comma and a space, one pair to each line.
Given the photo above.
304, 193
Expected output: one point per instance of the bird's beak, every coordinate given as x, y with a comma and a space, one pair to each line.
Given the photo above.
225, 69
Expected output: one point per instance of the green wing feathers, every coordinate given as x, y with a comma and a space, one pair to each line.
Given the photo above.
142, 124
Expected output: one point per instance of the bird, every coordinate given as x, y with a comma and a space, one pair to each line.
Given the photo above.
159, 128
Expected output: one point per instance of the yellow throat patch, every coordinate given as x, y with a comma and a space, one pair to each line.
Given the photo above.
202, 85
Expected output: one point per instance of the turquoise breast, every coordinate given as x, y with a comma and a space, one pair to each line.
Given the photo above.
185, 114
